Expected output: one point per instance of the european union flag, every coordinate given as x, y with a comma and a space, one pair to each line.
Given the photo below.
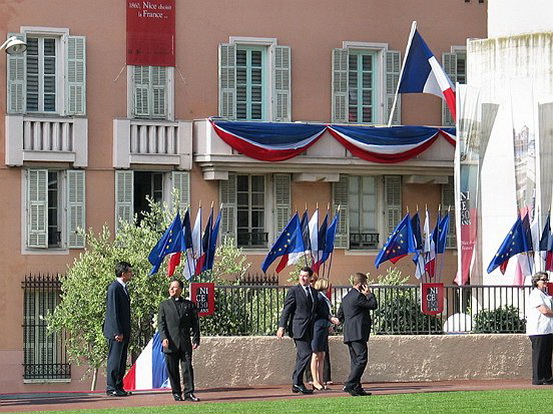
400, 243
170, 242
289, 241
517, 241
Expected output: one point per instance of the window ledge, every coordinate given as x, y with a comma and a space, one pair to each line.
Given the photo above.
361, 252
51, 251
47, 381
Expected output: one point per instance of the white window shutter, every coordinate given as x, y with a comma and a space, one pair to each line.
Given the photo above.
124, 196
283, 201
340, 85
180, 180
229, 210
141, 80
227, 81
159, 90
450, 67
340, 198
75, 102
392, 191
393, 71
16, 79
76, 210
282, 90
37, 208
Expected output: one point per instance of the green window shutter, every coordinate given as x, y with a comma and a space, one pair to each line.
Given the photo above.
37, 208
76, 75
16, 79
229, 210
340, 198
393, 70
159, 91
340, 85
124, 195
450, 66
283, 200
392, 197
180, 180
227, 81
282, 90
448, 201
141, 81
76, 208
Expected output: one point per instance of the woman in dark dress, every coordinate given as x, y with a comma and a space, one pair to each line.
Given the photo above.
319, 344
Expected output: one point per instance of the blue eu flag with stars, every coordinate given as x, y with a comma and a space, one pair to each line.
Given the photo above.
171, 242
289, 241
400, 243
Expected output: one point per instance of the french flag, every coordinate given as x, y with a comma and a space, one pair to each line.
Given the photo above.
149, 371
422, 73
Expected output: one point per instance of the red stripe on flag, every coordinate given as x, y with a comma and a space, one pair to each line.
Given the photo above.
174, 261
282, 264
129, 380
449, 96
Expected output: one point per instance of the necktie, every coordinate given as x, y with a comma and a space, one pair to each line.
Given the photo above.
126, 290
309, 298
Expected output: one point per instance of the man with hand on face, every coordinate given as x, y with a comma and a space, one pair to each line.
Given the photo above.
300, 308
177, 319
354, 313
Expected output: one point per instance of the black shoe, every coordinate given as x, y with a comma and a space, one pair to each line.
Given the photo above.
362, 392
301, 388
124, 393
117, 393
352, 391
191, 397
177, 396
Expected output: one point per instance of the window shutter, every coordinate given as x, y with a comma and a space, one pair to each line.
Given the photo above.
282, 201
76, 75
124, 195
228, 212
181, 182
37, 204
393, 70
76, 212
450, 67
282, 95
448, 200
340, 198
16, 79
141, 80
227, 81
159, 90
340, 85
392, 190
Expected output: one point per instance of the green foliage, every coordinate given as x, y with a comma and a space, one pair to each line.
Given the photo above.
501, 320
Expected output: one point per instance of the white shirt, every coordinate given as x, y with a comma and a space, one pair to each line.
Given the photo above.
536, 322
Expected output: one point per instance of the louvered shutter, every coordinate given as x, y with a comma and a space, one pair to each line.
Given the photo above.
16, 79
141, 81
282, 201
227, 81
76, 211
124, 195
450, 66
393, 70
392, 191
282, 95
229, 211
37, 205
180, 181
159, 90
340, 198
340, 85
75, 101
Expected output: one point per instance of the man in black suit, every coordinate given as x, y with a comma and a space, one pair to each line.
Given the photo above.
300, 307
117, 329
354, 313
176, 319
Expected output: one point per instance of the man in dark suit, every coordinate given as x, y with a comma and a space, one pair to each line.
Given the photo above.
177, 318
117, 329
354, 313
300, 307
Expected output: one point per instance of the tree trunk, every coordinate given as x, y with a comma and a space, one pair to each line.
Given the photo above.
94, 379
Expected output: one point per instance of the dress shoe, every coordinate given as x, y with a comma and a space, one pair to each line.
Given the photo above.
191, 397
177, 397
117, 393
124, 393
301, 388
362, 392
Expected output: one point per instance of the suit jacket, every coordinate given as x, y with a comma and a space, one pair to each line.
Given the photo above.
177, 327
118, 312
354, 314
299, 314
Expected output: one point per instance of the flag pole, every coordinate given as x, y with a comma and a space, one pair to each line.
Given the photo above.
411, 34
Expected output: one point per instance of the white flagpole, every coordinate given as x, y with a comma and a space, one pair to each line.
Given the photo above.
413, 28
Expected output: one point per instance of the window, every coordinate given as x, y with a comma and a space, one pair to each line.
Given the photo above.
448, 201
255, 207
50, 78
363, 200
44, 356
254, 80
55, 206
152, 96
364, 82
455, 65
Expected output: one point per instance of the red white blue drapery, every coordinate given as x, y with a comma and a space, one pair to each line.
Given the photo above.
271, 141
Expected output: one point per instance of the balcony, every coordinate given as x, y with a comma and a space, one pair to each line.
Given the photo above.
137, 141
359, 241
46, 139
254, 239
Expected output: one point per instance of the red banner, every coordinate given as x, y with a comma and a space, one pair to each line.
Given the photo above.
432, 298
151, 33
203, 295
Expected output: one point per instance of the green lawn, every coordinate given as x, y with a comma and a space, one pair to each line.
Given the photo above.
502, 401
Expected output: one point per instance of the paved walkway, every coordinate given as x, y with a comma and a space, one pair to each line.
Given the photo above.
91, 400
